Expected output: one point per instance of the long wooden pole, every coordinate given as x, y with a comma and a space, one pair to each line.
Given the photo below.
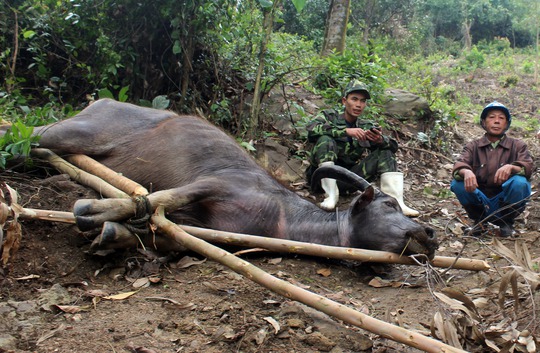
333, 252
77, 174
287, 246
283, 288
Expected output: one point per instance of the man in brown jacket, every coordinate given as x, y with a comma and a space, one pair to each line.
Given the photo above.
491, 176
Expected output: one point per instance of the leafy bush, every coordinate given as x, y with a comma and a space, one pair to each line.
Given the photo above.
18, 140
358, 62
508, 80
528, 67
473, 59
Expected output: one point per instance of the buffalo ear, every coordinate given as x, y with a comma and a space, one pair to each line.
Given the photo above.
362, 201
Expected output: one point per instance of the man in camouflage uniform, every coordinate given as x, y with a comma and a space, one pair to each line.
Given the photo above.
358, 145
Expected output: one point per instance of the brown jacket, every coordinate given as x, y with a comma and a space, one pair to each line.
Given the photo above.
480, 157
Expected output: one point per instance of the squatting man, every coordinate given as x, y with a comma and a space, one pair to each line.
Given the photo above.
491, 176
341, 138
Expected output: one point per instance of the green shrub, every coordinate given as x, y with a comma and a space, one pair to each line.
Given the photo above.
508, 80
528, 67
18, 140
358, 62
474, 58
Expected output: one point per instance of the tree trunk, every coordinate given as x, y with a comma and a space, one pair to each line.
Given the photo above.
368, 16
537, 22
467, 39
336, 27
268, 23
187, 68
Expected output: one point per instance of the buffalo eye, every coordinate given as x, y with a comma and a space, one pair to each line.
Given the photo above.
392, 204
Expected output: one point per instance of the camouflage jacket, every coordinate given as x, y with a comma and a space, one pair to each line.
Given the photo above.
332, 123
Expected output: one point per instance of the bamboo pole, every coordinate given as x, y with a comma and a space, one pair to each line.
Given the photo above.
333, 252
283, 288
117, 180
52, 216
287, 246
78, 174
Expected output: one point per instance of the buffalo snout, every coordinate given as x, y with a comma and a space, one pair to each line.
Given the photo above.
422, 241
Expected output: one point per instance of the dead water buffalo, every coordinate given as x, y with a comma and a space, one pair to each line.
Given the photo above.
220, 186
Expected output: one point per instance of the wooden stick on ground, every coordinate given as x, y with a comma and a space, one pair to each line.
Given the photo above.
117, 180
293, 292
287, 246
333, 252
79, 175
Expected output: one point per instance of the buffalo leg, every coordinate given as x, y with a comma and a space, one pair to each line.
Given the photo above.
116, 236
92, 214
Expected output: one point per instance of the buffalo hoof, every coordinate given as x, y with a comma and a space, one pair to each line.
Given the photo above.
81, 209
116, 236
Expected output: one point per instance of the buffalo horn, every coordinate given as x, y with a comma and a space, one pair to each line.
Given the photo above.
340, 174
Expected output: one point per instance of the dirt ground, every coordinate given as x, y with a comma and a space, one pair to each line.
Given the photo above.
56, 297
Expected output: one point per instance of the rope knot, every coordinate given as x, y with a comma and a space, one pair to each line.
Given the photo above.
138, 224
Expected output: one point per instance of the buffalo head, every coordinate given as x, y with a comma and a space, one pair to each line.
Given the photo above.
375, 220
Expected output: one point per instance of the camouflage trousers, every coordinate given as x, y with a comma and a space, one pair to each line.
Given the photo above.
349, 156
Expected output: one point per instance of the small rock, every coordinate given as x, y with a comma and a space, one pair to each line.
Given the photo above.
295, 323
7, 342
56, 295
320, 341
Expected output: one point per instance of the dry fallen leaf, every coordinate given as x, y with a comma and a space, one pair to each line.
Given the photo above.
324, 272
154, 279
71, 309
141, 282
120, 296
12, 241
378, 282
50, 334
188, 261
260, 336
178, 305
96, 293
274, 324
275, 261
138, 349
271, 302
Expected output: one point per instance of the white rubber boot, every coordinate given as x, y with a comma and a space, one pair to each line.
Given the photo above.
392, 185
330, 189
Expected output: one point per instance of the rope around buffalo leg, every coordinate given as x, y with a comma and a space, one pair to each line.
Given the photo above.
139, 223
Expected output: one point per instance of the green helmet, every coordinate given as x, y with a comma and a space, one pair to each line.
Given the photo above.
356, 86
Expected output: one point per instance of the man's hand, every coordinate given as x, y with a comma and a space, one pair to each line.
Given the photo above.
375, 135
505, 172
365, 135
469, 179
356, 133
